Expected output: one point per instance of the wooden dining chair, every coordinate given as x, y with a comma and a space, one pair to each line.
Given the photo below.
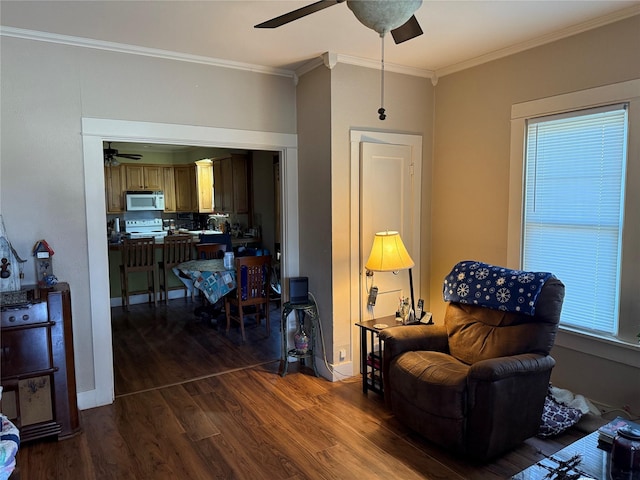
138, 256
176, 249
252, 280
209, 251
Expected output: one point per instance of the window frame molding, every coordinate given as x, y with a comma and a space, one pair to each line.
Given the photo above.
620, 349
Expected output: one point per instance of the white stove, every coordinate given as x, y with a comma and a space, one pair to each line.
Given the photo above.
144, 228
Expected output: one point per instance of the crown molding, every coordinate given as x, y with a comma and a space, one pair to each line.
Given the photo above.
539, 41
135, 50
331, 59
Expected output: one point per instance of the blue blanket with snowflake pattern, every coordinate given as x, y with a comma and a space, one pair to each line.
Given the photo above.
489, 286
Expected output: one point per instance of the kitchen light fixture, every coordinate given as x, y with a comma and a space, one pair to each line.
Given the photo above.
111, 162
388, 254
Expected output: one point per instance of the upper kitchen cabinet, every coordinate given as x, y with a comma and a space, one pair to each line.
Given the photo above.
185, 191
114, 180
231, 184
240, 167
204, 185
223, 185
144, 177
169, 182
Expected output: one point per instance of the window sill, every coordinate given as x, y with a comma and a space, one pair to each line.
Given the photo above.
604, 347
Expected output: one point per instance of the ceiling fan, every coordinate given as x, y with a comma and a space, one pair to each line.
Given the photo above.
383, 16
110, 155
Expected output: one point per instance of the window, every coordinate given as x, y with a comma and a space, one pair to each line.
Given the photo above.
574, 198
573, 209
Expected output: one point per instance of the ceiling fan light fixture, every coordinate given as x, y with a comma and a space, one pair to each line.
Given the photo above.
383, 16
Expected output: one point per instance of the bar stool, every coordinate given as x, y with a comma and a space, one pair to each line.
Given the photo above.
176, 249
138, 256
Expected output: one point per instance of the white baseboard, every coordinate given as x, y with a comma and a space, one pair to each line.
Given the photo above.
144, 298
91, 399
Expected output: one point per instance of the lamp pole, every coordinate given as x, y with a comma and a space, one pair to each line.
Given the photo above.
411, 287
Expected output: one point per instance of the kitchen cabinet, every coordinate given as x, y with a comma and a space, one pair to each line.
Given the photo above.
223, 185
204, 185
144, 177
185, 188
231, 184
240, 183
169, 181
114, 181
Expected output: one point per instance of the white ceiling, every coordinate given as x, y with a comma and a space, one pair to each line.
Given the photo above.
457, 33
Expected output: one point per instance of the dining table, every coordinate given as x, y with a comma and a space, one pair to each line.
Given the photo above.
209, 276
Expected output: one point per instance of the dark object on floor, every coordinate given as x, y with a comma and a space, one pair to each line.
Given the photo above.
556, 417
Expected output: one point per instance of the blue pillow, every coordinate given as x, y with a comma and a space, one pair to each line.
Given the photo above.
556, 418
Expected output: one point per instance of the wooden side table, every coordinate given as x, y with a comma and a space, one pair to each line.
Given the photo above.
303, 310
371, 348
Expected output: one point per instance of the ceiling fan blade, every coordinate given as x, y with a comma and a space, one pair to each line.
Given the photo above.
410, 29
298, 13
130, 156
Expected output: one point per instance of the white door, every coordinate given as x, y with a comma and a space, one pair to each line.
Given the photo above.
387, 203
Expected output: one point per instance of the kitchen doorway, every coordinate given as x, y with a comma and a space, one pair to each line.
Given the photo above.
94, 133
176, 342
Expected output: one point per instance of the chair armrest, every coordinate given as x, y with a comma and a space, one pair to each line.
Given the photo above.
406, 338
503, 367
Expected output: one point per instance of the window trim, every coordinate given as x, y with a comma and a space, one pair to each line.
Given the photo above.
622, 348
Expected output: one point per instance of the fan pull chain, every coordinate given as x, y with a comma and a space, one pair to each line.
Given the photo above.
381, 110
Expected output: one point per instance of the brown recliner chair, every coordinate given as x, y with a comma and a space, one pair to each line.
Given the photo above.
477, 384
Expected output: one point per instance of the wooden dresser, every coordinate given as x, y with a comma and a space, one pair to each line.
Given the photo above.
38, 370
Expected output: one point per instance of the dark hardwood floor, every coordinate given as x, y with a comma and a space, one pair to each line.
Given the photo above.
193, 403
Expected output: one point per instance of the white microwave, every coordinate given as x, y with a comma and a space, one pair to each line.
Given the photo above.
138, 201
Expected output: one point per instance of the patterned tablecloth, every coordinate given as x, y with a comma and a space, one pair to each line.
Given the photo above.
208, 276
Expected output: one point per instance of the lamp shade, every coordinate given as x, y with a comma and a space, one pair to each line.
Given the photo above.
388, 253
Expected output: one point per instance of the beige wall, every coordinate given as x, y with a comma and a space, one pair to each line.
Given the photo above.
47, 89
330, 104
471, 168
314, 187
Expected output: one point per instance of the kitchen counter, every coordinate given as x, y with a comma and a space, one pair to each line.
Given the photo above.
244, 241
236, 242
137, 280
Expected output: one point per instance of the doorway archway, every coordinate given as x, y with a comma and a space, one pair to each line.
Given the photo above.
94, 132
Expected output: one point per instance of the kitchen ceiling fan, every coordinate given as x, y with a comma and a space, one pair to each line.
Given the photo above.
383, 16
110, 155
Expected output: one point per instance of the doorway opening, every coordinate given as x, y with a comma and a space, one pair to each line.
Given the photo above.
185, 339
95, 132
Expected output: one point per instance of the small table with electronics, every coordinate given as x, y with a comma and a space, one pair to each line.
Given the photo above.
304, 349
371, 348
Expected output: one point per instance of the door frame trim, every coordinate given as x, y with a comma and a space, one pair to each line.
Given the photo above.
94, 132
356, 137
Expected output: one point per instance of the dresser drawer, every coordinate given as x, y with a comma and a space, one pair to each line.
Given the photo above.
25, 350
24, 315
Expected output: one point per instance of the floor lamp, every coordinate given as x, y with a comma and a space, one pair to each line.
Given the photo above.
388, 254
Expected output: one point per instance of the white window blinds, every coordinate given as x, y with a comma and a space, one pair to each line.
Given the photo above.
573, 207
